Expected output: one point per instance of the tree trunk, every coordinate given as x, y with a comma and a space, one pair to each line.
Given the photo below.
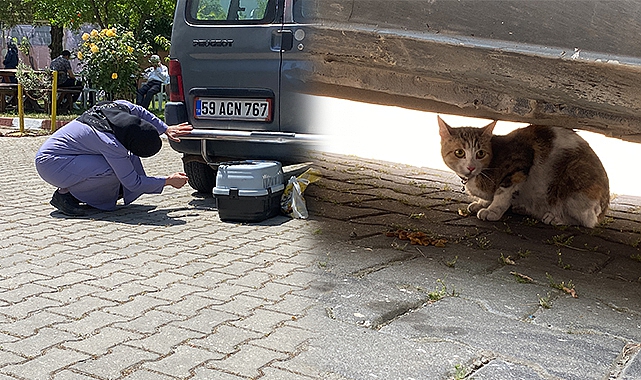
55, 47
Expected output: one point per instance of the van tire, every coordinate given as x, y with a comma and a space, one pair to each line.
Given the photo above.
202, 177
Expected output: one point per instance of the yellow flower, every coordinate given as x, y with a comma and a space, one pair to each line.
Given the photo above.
110, 32
85, 36
130, 49
94, 33
79, 55
94, 48
114, 76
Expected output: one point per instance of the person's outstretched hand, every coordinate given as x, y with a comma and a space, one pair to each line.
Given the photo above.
175, 131
176, 180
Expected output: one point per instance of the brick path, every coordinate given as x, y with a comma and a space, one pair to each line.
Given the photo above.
162, 289
158, 290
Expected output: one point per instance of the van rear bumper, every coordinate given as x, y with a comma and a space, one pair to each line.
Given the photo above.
255, 136
213, 144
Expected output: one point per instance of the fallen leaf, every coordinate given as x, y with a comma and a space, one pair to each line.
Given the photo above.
570, 291
416, 238
522, 276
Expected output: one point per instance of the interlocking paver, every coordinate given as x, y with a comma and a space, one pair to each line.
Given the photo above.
71, 375
110, 276
162, 280
164, 341
24, 291
135, 307
182, 361
118, 362
237, 363
242, 305
33, 345
208, 374
10, 358
263, 321
284, 339
15, 281
125, 292
273, 291
279, 374
251, 278
31, 305
195, 268
100, 342
149, 322
213, 280
206, 321
67, 279
177, 292
225, 339
89, 324
82, 306
30, 325
190, 305
42, 366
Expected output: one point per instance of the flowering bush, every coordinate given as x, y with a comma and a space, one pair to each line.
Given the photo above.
37, 84
110, 61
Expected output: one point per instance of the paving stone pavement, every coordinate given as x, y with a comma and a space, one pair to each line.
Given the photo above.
162, 289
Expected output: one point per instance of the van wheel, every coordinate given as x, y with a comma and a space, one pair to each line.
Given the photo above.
201, 176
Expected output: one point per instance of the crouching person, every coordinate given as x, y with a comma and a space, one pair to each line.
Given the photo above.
95, 159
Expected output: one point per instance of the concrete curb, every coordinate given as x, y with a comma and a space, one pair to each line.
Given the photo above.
30, 124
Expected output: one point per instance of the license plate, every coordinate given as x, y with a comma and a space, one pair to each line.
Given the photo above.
233, 109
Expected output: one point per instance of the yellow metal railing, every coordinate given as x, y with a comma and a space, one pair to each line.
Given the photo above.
54, 103
20, 109
54, 99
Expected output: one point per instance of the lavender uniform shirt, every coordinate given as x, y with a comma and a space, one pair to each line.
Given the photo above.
93, 164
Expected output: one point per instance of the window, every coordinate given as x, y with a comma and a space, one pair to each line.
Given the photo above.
232, 11
305, 10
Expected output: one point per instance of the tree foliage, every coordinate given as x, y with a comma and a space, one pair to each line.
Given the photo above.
14, 12
147, 19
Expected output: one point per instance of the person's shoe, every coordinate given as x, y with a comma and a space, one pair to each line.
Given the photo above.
66, 204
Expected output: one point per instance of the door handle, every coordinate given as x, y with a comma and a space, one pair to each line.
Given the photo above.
282, 40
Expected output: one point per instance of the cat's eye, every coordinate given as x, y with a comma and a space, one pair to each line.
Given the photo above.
480, 154
459, 153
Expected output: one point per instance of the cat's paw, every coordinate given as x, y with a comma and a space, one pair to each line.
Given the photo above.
476, 206
488, 214
551, 219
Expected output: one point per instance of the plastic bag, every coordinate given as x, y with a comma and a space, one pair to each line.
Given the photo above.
292, 202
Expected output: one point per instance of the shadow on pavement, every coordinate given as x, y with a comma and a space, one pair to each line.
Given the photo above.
136, 215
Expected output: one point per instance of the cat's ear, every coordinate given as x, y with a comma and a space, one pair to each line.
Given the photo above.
443, 129
487, 130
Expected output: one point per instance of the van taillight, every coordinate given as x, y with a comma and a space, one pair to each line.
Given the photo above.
176, 92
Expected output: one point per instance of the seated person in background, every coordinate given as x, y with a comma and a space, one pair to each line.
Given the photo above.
156, 75
11, 60
66, 77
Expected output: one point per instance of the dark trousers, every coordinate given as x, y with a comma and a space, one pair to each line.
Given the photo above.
72, 82
146, 92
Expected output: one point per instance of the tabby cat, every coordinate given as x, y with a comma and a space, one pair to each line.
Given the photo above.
549, 173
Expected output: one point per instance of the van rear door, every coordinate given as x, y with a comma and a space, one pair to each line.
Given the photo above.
231, 61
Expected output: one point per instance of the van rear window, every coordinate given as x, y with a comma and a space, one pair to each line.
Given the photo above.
232, 11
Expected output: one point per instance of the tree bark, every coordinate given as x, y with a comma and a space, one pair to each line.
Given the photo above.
55, 47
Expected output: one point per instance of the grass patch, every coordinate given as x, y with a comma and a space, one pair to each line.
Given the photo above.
441, 292
560, 262
545, 301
